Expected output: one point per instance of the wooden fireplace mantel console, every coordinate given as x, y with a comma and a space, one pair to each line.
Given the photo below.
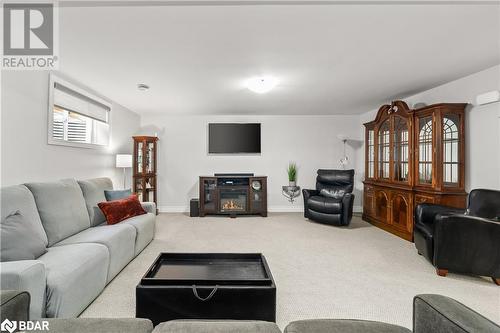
233, 194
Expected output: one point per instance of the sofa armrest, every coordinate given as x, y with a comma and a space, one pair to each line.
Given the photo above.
306, 195
28, 275
15, 305
149, 207
425, 212
437, 313
464, 244
347, 207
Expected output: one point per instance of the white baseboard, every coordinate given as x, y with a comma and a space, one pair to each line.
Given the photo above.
286, 209
271, 209
173, 209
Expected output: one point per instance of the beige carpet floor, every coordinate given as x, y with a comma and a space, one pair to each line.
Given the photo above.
320, 271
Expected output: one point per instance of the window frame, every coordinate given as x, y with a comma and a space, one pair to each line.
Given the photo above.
53, 79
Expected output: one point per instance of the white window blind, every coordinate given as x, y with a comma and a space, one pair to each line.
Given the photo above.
71, 100
77, 118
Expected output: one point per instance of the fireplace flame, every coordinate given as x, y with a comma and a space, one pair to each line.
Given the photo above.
231, 204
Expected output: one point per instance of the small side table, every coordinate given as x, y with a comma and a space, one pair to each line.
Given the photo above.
290, 192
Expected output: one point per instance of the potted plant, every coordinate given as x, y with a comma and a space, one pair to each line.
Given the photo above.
292, 174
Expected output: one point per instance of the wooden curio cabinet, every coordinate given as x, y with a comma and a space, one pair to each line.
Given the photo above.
144, 168
412, 156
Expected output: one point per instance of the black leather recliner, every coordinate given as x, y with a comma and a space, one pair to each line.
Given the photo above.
332, 200
461, 241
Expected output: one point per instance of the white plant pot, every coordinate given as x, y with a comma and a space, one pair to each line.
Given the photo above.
292, 184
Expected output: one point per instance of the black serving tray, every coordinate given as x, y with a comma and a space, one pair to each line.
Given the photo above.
187, 269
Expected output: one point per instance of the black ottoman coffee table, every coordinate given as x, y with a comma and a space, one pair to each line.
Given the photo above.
207, 286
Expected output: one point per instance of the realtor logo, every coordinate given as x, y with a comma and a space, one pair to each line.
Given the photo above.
8, 326
29, 36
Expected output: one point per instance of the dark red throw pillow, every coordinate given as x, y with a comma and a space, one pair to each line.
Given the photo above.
118, 210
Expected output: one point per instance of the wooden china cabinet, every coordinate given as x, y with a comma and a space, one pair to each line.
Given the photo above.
413, 156
144, 168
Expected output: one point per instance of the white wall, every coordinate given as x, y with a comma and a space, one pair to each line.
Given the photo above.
482, 125
309, 141
25, 154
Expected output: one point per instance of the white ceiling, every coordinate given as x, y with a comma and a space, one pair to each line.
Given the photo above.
329, 58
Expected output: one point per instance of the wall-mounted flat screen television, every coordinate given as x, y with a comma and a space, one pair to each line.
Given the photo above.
231, 138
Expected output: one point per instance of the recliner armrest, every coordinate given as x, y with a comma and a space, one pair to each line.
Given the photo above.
347, 207
466, 243
26, 275
425, 213
307, 193
437, 313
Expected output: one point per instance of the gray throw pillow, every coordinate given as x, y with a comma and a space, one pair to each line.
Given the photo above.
331, 193
18, 240
117, 194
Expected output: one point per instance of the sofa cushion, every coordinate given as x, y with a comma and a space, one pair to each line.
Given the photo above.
342, 326
93, 192
76, 274
325, 204
18, 240
61, 207
19, 198
145, 227
216, 326
119, 210
117, 194
119, 240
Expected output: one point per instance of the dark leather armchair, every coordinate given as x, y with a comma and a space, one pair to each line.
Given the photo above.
332, 200
462, 241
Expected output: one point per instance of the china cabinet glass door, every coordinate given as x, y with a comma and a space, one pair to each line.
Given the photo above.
370, 158
401, 149
384, 150
425, 150
451, 150
139, 189
140, 146
149, 157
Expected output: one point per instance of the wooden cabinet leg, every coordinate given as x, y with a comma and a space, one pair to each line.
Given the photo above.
441, 272
496, 281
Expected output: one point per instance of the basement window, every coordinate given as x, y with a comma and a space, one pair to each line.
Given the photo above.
77, 118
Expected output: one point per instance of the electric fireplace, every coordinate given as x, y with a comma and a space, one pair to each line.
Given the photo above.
233, 194
233, 200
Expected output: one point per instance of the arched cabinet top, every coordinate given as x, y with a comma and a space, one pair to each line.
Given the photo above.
399, 108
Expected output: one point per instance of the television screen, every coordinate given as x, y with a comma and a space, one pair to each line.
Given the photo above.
227, 138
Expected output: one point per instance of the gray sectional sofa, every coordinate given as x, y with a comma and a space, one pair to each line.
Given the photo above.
431, 313
83, 252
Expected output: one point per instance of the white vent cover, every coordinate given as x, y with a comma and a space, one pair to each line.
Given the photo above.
487, 98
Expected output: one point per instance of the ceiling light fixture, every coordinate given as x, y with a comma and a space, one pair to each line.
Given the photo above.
143, 87
261, 84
